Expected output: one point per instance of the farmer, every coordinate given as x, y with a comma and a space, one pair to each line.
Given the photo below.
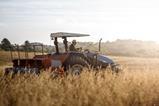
72, 46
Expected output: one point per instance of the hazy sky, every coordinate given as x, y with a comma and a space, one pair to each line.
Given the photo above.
34, 20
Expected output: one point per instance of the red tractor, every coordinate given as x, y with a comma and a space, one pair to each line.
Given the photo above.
72, 61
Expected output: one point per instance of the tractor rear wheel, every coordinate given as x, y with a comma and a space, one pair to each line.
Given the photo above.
76, 64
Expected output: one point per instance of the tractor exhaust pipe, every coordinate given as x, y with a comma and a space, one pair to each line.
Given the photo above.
100, 44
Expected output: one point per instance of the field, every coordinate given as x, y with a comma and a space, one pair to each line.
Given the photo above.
137, 85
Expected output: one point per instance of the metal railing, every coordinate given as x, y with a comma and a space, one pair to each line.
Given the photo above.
25, 50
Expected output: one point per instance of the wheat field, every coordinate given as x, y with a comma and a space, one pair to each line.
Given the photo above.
136, 85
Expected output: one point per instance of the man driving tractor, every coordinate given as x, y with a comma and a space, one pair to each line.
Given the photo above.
72, 46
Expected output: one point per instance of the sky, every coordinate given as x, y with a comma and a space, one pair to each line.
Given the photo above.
34, 20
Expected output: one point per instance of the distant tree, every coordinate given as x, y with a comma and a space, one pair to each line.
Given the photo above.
28, 46
6, 45
27, 43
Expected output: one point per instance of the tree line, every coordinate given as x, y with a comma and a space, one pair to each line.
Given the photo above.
7, 46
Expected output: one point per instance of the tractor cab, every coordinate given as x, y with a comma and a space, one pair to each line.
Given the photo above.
64, 36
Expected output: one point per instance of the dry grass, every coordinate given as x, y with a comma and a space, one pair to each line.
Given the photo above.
137, 85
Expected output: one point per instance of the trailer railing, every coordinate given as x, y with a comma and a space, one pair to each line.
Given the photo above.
22, 52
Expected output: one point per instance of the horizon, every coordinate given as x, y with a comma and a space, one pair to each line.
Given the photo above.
70, 40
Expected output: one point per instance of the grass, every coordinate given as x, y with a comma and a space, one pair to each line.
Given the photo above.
137, 85
4, 57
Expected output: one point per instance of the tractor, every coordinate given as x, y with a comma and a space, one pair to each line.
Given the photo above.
72, 61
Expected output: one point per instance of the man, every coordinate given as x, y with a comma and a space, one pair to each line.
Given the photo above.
72, 46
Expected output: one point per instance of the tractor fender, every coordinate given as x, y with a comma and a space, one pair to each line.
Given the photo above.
75, 61
81, 55
74, 54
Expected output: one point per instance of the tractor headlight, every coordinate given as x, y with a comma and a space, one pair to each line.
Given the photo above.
116, 68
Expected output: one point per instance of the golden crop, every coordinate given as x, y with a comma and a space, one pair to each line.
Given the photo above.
137, 85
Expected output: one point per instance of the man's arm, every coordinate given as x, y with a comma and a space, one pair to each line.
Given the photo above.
72, 48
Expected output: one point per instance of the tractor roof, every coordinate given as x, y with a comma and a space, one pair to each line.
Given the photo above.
64, 34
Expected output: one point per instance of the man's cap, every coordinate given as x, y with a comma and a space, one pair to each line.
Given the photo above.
74, 41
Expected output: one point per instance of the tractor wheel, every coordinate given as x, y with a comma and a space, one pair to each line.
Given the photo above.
76, 64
